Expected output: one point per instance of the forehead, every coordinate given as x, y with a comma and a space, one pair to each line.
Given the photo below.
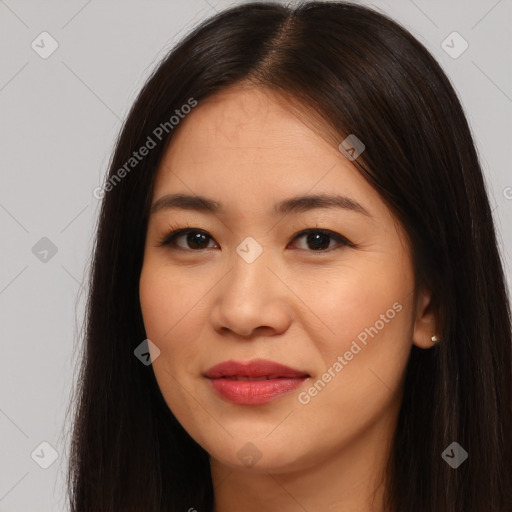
245, 146
243, 122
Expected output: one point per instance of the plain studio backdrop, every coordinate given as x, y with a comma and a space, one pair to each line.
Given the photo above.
70, 71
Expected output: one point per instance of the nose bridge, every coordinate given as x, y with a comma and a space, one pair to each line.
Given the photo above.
250, 273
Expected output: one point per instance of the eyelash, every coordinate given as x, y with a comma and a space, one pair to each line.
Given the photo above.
176, 231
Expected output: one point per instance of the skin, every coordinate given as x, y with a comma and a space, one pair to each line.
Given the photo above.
294, 305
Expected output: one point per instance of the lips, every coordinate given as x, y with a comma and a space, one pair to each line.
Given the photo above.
255, 382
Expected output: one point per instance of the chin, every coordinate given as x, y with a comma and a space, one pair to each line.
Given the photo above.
259, 456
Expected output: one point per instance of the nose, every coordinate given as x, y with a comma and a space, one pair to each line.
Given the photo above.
252, 299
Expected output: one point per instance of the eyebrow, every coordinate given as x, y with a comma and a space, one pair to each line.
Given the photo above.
292, 205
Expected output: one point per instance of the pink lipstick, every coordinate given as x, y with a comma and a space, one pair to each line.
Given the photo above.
255, 382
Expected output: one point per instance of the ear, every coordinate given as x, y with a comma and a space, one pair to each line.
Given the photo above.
425, 321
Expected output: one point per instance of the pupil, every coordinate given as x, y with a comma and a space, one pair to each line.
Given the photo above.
195, 239
315, 238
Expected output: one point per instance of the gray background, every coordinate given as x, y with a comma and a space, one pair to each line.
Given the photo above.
60, 117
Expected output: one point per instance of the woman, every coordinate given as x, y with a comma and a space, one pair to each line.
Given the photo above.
297, 300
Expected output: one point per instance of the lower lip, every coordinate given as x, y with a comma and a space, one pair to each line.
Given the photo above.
254, 392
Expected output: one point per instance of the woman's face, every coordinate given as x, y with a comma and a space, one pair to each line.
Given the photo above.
336, 305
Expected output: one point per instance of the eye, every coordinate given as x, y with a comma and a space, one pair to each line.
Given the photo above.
195, 239
319, 240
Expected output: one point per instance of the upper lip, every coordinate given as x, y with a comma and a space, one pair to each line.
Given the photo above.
253, 368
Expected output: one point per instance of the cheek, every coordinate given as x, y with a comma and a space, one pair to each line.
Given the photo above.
173, 317
169, 320
156, 303
164, 304
346, 302
367, 321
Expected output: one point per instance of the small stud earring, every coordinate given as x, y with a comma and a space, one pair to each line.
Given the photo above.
434, 339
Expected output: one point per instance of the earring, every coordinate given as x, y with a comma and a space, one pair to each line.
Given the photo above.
434, 338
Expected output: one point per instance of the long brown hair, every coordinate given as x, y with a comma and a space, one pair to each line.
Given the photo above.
360, 73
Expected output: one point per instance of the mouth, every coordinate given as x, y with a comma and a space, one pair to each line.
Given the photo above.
267, 377
254, 383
